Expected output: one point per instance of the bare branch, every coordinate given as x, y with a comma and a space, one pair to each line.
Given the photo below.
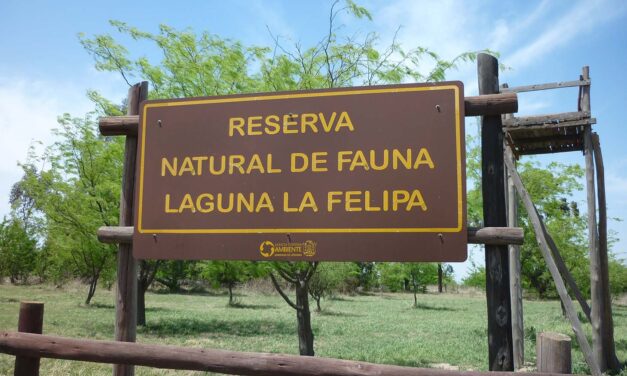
280, 291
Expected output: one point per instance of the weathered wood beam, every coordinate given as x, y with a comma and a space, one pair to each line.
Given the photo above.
491, 104
547, 86
515, 280
496, 235
546, 119
537, 224
500, 350
546, 150
126, 291
495, 104
608, 328
208, 360
30, 320
119, 125
483, 235
564, 124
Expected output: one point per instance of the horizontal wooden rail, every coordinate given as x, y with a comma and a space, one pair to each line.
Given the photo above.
209, 360
494, 104
484, 235
548, 86
546, 119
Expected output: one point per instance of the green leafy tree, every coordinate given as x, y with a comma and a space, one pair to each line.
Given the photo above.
18, 251
476, 277
549, 189
173, 273
412, 276
75, 193
229, 274
328, 278
298, 275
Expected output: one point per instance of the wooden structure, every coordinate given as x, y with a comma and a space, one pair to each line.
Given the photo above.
555, 133
490, 104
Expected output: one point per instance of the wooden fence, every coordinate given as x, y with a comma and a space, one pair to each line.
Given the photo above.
28, 348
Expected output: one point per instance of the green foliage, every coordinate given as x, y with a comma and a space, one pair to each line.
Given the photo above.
549, 188
412, 276
229, 273
17, 251
75, 192
201, 64
476, 277
173, 273
329, 278
392, 276
618, 278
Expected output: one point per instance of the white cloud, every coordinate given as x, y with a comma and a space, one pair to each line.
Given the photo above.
581, 18
29, 111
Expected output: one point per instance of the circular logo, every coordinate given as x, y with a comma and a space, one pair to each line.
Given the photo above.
309, 248
266, 248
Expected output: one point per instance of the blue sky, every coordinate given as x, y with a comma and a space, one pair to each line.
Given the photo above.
44, 71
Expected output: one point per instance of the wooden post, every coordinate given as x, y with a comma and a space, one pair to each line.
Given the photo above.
596, 287
515, 286
553, 353
538, 228
608, 322
496, 256
126, 298
30, 320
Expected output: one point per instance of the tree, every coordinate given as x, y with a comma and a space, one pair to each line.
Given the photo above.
228, 273
75, 194
328, 278
17, 251
476, 277
549, 189
413, 276
445, 276
145, 276
173, 273
298, 274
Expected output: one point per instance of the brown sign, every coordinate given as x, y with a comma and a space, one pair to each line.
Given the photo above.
370, 173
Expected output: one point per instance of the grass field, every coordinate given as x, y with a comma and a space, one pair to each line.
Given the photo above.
379, 328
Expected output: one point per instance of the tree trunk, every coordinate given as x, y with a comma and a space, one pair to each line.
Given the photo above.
93, 282
145, 277
318, 309
439, 278
141, 301
230, 294
303, 315
415, 290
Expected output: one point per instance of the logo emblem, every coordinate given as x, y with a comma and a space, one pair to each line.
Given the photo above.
266, 248
309, 248
270, 249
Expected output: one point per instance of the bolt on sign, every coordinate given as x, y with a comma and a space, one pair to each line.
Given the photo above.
365, 174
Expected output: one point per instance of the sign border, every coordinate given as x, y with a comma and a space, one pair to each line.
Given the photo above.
363, 91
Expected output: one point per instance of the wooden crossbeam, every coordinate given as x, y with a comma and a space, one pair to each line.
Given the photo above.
483, 235
546, 119
547, 86
494, 104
